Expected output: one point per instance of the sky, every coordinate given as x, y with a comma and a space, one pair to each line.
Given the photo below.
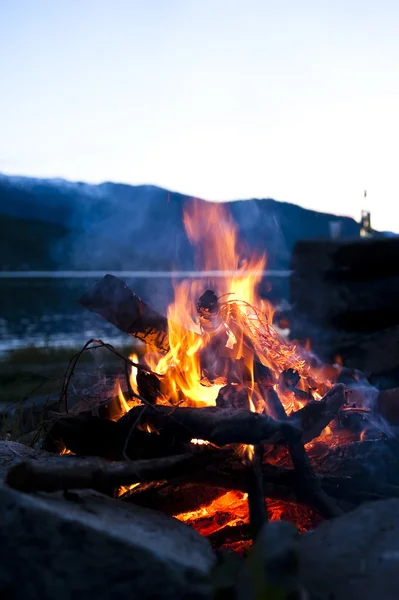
297, 100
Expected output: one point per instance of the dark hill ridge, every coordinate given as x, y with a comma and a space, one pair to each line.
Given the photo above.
115, 226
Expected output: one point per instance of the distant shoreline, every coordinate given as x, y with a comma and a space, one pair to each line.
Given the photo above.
138, 274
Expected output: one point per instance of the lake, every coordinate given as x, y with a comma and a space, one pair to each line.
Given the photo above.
42, 308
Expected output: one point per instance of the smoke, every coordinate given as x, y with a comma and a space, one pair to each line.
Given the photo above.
115, 227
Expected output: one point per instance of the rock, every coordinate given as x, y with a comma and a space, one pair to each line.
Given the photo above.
354, 556
274, 558
86, 545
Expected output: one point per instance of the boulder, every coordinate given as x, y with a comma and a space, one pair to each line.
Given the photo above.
86, 545
353, 556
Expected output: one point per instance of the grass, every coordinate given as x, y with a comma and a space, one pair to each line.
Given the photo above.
33, 371
31, 379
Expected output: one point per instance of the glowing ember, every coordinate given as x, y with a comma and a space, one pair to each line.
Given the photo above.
229, 509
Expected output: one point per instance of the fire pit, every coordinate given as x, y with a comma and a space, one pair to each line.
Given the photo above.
223, 423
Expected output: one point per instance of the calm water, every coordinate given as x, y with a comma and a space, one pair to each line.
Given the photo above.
41, 309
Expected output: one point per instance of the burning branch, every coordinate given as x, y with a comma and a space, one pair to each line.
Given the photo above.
113, 300
216, 425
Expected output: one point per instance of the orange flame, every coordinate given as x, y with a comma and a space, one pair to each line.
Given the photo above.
202, 346
126, 405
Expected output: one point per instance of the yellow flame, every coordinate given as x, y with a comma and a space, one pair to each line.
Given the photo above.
124, 405
127, 405
133, 373
204, 348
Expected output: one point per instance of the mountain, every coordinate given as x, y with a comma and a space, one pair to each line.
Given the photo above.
56, 224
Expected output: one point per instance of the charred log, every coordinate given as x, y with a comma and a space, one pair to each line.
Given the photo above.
149, 386
215, 425
86, 435
33, 476
113, 300
219, 470
158, 430
233, 396
317, 414
256, 493
307, 481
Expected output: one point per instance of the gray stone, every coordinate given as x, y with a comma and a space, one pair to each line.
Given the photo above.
354, 556
86, 545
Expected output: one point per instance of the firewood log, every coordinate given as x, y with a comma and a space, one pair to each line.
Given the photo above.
113, 300
214, 469
87, 435
70, 473
317, 414
213, 424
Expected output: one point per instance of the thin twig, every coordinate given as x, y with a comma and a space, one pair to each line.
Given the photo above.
74, 360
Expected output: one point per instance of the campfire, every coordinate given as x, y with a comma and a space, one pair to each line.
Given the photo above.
222, 423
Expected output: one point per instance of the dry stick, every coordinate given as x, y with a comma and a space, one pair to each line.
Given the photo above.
303, 468
74, 360
68, 375
256, 494
73, 473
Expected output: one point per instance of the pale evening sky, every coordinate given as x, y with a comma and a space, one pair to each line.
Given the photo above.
221, 99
